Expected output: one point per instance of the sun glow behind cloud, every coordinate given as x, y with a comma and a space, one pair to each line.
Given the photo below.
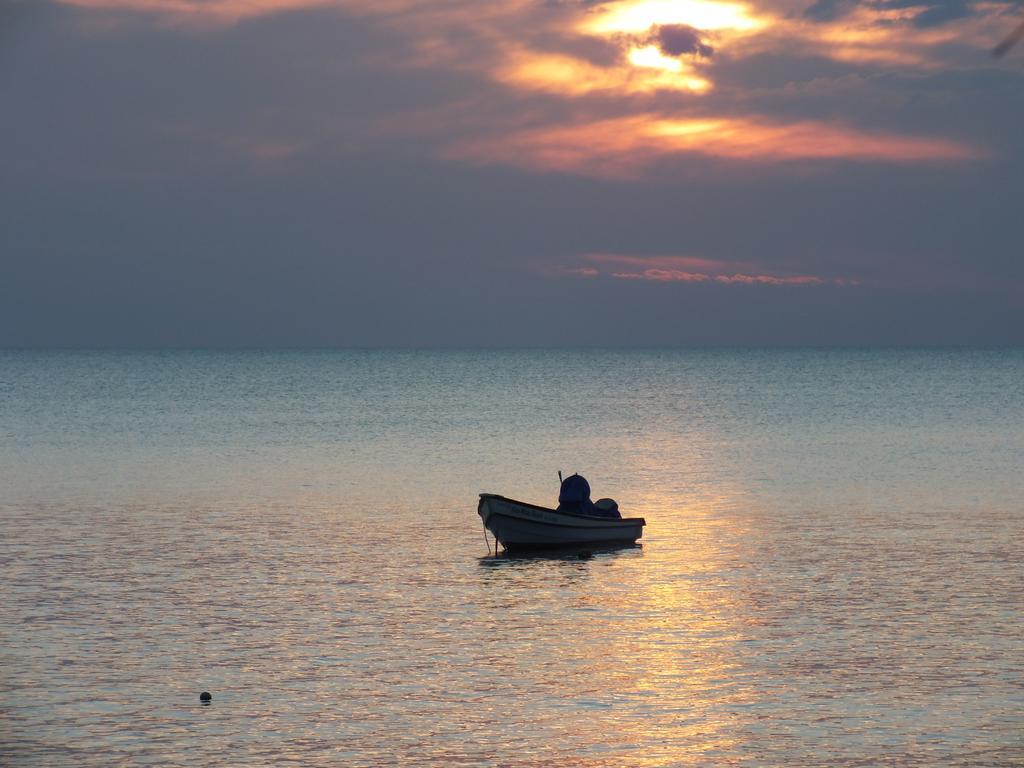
564, 75
642, 15
637, 95
650, 56
668, 105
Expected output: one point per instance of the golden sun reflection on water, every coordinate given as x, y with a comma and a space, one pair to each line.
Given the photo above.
681, 624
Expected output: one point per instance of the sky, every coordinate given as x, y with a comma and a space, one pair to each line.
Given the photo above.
338, 173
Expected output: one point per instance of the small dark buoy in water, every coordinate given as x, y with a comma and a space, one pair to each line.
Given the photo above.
205, 697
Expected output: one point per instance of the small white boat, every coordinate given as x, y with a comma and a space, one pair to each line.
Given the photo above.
519, 525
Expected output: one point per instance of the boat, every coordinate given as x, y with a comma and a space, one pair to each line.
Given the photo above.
521, 525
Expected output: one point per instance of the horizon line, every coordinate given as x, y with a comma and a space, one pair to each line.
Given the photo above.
509, 347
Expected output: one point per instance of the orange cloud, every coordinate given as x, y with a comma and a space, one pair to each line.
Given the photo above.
201, 12
640, 15
571, 271
625, 147
690, 269
569, 76
866, 34
530, 47
667, 262
674, 275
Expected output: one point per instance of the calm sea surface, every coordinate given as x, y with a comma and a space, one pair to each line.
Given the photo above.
832, 572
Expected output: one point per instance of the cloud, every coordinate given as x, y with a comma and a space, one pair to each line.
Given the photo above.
560, 271
513, 40
567, 88
628, 147
680, 40
922, 13
287, 177
689, 269
207, 12
677, 276
668, 261
934, 14
571, 77
829, 10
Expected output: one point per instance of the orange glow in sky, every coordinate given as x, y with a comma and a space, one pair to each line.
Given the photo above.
642, 15
637, 101
570, 76
690, 269
650, 56
625, 147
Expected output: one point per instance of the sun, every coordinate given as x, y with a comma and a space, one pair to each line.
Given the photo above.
641, 15
683, 75
650, 56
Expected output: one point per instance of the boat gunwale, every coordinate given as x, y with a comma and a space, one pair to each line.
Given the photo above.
616, 526
615, 522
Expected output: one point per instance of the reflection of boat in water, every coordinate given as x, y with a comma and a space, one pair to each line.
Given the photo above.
519, 525
565, 553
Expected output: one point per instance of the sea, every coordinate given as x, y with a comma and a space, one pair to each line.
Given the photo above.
832, 571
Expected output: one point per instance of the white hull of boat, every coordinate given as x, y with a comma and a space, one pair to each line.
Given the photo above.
517, 524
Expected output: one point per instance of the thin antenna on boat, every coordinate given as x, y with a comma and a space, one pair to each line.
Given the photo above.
559, 475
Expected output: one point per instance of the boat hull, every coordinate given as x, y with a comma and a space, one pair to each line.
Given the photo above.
516, 524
